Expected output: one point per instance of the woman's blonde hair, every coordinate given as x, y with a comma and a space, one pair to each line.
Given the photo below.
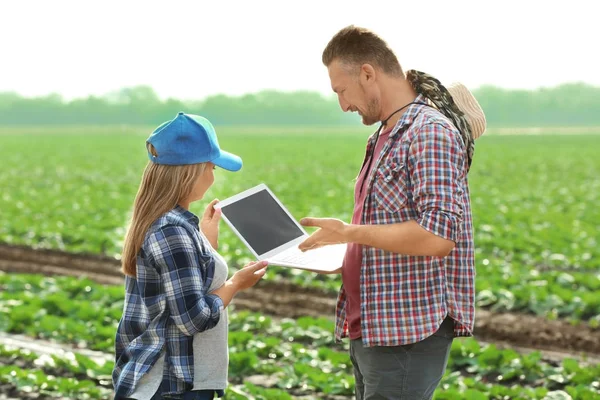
161, 189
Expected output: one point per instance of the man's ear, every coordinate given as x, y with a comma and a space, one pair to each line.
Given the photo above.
367, 74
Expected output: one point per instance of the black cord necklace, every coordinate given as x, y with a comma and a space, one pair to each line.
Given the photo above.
384, 123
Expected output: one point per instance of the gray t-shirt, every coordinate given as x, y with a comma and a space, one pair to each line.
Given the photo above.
211, 351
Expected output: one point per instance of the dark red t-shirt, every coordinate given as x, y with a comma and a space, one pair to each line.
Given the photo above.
353, 258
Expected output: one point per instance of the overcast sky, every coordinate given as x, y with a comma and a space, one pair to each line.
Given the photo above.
192, 49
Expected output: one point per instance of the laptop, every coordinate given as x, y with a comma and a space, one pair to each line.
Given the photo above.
270, 232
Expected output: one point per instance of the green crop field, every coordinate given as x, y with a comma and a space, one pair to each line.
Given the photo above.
299, 357
534, 200
537, 236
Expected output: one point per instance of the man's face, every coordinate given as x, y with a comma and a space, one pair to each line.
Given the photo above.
353, 93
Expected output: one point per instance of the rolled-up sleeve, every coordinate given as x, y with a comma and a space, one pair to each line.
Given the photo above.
437, 165
180, 263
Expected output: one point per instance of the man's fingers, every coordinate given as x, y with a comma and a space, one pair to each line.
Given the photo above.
306, 248
307, 244
311, 221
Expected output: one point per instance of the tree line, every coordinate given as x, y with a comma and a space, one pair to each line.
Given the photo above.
573, 104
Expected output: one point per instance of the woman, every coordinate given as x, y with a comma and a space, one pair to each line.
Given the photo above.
171, 341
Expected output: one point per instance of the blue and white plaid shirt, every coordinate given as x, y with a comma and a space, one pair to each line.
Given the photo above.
166, 305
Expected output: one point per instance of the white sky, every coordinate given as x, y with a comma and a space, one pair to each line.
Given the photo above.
192, 49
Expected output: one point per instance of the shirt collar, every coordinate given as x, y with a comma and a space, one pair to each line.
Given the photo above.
406, 119
187, 215
410, 114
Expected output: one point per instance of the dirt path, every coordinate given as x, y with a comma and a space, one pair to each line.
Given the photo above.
283, 299
46, 347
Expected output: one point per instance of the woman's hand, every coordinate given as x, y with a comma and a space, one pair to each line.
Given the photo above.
241, 280
209, 225
249, 275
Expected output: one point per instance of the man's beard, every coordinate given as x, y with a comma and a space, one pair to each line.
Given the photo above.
372, 114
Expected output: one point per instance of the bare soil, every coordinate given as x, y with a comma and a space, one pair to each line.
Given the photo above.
557, 339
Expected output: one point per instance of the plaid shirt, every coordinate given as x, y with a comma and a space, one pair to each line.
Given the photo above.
421, 175
166, 305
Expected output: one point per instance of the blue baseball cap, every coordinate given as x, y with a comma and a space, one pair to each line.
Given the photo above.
189, 139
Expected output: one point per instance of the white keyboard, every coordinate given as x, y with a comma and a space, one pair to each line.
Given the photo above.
298, 257
295, 256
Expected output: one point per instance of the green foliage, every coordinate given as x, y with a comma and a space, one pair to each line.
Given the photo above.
36, 381
69, 310
269, 358
573, 104
533, 198
141, 105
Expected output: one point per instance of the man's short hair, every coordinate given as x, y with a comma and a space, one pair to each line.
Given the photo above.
357, 46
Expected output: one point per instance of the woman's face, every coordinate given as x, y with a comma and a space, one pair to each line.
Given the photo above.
203, 183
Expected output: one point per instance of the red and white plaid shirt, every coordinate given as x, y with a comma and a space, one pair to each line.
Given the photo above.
421, 175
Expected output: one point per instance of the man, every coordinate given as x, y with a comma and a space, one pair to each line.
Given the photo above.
408, 274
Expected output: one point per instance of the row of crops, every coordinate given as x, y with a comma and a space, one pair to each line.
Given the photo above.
269, 358
537, 234
534, 200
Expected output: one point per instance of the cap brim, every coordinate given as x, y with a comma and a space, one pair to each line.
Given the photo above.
228, 161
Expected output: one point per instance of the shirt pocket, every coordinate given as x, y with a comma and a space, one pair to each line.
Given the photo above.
389, 188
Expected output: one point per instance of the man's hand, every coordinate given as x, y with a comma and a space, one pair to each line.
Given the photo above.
331, 231
209, 225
